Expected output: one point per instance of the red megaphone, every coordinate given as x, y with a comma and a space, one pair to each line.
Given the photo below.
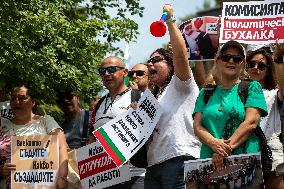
158, 28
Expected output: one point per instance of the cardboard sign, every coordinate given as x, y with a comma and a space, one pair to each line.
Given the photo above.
239, 171
253, 22
123, 136
96, 168
201, 38
37, 161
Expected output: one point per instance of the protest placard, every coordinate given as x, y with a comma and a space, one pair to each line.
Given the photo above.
253, 22
123, 136
201, 38
239, 171
96, 168
37, 161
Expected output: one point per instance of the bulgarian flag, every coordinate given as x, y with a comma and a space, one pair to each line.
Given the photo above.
110, 147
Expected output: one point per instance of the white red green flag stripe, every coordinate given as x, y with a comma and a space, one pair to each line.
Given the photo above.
110, 147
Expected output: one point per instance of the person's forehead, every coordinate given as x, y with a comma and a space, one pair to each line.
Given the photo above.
259, 57
139, 67
111, 61
20, 91
232, 50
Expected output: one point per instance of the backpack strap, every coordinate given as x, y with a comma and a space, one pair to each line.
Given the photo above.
208, 92
94, 111
85, 128
243, 90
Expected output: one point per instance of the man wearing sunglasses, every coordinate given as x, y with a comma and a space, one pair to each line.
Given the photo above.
76, 125
139, 77
118, 99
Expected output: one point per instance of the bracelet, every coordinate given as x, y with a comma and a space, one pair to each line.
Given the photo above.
172, 19
63, 178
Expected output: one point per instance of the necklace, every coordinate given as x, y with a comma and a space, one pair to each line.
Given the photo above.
112, 101
224, 94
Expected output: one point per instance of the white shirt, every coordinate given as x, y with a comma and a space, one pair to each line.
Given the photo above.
271, 126
109, 109
175, 136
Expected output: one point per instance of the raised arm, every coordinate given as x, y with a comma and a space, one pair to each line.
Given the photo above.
180, 59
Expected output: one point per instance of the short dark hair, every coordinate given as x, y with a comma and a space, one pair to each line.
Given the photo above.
269, 81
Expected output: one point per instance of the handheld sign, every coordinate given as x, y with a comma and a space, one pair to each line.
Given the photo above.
124, 135
37, 161
96, 168
158, 28
200, 37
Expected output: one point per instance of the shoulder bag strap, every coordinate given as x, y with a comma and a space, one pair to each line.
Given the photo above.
85, 128
208, 92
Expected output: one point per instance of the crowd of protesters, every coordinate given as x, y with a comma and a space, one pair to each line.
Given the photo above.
213, 122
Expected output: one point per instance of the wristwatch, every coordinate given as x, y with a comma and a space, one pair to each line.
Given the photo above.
279, 60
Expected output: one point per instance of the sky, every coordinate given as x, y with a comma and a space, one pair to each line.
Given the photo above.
146, 43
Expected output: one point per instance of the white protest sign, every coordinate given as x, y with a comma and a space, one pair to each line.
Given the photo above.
253, 22
96, 168
123, 136
36, 159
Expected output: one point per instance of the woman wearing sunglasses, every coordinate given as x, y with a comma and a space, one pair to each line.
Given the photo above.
173, 140
269, 73
224, 124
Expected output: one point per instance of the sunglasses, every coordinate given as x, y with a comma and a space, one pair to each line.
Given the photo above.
139, 73
110, 69
260, 65
20, 98
155, 59
228, 57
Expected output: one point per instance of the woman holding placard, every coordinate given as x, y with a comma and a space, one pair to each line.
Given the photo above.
26, 123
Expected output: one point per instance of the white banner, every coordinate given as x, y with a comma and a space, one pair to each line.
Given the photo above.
253, 22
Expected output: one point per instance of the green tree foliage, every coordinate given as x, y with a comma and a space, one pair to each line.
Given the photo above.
51, 45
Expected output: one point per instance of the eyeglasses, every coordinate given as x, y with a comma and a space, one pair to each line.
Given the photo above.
155, 59
228, 57
110, 69
260, 65
139, 73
